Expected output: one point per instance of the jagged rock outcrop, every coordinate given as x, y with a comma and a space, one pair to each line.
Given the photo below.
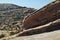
42, 16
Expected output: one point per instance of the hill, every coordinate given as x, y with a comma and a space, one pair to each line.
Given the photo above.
4, 7
11, 16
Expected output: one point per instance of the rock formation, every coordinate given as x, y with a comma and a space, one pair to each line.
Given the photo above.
55, 35
42, 16
46, 19
50, 27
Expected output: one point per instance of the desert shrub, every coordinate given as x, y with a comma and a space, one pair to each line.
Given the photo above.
2, 35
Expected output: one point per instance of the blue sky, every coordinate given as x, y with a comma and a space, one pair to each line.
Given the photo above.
28, 3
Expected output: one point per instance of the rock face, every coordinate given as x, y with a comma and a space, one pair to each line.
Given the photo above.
44, 23
52, 26
42, 16
55, 35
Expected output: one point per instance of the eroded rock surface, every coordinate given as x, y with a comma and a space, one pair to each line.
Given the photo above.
42, 16
44, 23
55, 35
50, 27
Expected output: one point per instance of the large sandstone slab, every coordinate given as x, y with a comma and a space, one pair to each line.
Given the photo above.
42, 16
54, 35
53, 26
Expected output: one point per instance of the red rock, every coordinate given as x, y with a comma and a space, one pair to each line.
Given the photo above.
42, 16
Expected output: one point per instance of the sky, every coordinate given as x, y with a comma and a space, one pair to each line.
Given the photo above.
37, 4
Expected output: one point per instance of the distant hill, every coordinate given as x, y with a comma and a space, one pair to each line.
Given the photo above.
12, 14
4, 7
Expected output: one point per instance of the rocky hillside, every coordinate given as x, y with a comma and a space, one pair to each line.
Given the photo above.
44, 24
11, 17
4, 7
11, 14
51, 33
48, 16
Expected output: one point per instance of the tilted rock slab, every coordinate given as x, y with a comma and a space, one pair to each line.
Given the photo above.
52, 26
44, 20
42, 16
54, 35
